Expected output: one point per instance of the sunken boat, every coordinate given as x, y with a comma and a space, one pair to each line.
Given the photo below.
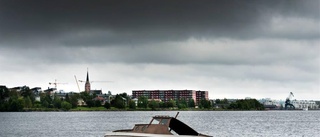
159, 126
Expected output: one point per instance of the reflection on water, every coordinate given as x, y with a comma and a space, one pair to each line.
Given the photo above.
215, 123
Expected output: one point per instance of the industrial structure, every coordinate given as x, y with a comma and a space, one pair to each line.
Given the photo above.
167, 95
288, 104
55, 83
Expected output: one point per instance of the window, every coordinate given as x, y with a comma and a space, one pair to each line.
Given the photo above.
137, 128
164, 121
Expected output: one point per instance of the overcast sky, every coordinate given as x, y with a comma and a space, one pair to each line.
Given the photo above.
233, 49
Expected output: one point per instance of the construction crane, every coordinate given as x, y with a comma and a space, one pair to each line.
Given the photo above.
288, 104
94, 81
55, 83
77, 83
89, 82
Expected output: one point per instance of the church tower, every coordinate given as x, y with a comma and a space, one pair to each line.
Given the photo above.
87, 85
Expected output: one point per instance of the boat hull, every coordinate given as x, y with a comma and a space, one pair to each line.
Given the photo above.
130, 134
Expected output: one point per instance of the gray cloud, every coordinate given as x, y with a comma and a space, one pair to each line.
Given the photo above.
82, 23
231, 48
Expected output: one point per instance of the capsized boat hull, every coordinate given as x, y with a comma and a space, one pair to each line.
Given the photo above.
159, 126
130, 134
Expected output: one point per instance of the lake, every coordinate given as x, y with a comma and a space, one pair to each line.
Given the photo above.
215, 123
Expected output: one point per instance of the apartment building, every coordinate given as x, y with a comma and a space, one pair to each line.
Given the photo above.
167, 95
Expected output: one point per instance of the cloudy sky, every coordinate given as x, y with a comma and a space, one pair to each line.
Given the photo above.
233, 49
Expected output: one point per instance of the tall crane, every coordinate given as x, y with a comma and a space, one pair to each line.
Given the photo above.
77, 83
94, 81
288, 104
87, 86
55, 83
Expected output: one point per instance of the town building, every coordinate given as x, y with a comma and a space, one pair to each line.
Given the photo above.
167, 95
301, 104
36, 90
271, 104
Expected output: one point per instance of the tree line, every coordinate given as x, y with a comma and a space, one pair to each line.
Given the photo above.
25, 99
123, 101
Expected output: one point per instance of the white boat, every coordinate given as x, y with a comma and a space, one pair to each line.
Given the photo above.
305, 109
159, 126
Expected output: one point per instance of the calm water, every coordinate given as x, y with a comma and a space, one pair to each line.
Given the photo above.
215, 123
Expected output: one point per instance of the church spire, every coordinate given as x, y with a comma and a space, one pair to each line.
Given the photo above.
87, 76
87, 87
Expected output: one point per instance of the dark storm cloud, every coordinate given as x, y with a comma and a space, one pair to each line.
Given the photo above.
89, 23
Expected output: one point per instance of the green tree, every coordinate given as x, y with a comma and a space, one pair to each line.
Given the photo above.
4, 93
124, 95
182, 104
163, 105
97, 103
74, 100
118, 102
45, 104
225, 101
26, 91
90, 103
132, 104
205, 103
46, 98
107, 105
218, 101
153, 104
15, 106
21, 101
171, 104
28, 102
57, 102
4, 106
37, 104
191, 103
246, 104
142, 102
66, 105
86, 96
67, 98
13, 94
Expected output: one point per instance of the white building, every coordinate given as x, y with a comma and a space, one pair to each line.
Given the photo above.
300, 104
269, 102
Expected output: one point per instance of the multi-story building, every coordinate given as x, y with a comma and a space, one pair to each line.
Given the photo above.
167, 95
301, 104
200, 95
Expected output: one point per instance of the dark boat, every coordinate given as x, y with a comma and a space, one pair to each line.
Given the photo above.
158, 126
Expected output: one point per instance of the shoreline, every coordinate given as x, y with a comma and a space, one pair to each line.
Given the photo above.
84, 109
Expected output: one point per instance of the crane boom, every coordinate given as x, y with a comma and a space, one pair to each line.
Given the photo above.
77, 83
290, 96
94, 81
55, 83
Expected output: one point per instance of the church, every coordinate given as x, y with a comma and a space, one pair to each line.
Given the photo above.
87, 87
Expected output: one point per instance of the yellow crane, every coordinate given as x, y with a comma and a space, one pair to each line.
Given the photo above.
94, 81
89, 81
55, 83
77, 83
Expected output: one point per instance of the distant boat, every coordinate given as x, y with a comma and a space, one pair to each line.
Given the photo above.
159, 126
305, 109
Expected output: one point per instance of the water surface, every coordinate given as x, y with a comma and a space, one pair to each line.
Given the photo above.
215, 123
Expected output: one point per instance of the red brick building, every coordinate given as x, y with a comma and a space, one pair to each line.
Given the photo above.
167, 95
